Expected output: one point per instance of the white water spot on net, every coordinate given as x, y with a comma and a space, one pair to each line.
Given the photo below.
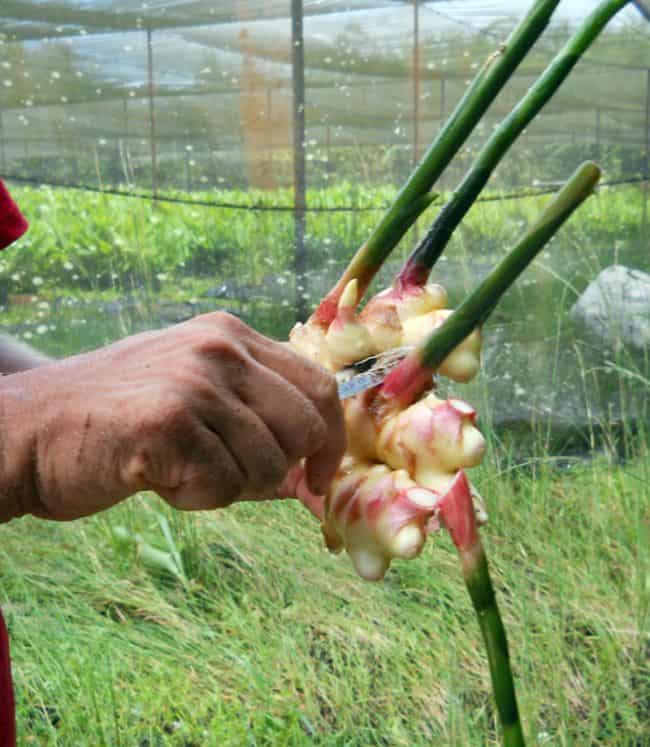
44, 305
68, 265
285, 302
55, 74
16, 276
27, 336
6, 65
41, 329
161, 276
7, 83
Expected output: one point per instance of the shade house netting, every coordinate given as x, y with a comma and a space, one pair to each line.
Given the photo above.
194, 104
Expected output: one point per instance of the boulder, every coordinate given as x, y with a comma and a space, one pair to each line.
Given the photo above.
615, 308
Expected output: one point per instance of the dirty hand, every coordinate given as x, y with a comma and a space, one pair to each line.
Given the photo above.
204, 413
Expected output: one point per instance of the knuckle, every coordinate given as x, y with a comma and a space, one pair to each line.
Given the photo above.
227, 322
325, 389
271, 469
216, 345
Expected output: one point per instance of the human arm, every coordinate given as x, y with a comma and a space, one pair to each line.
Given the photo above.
16, 356
204, 413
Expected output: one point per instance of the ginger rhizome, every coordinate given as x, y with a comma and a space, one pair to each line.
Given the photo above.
401, 460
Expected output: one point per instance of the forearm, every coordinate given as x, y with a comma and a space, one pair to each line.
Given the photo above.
18, 469
17, 356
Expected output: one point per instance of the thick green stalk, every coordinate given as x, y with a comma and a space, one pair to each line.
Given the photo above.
407, 380
432, 245
479, 585
456, 511
413, 198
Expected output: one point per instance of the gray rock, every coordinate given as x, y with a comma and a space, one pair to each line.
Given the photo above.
615, 308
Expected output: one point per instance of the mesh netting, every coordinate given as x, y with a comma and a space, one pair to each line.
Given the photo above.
197, 95
194, 102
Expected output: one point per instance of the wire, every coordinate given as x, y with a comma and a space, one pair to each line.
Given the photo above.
184, 201
499, 197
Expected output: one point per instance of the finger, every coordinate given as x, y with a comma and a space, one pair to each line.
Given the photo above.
210, 478
295, 486
248, 439
320, 387
288, 413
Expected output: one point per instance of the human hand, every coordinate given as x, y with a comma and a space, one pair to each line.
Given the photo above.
204, 413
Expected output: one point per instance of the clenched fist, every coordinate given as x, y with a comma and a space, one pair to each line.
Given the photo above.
204, 413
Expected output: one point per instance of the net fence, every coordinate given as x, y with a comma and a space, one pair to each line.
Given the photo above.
192, 96
193, 103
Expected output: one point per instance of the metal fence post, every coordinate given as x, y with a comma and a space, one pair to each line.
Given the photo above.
152, 116
646, 159
416, 82
3, 155
416, 98
299, 176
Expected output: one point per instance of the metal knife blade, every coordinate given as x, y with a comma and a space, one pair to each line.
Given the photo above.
369, 372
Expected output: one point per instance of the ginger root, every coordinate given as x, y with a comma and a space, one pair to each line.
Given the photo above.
400, 461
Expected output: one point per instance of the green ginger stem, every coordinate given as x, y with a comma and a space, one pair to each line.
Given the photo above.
406, 382
434, 242
415, 196
479, 585
456, 513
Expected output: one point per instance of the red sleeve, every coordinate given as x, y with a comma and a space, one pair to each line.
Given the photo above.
7, 715
12, 223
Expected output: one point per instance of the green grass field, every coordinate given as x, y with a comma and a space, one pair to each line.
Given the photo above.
266, 639
271, 641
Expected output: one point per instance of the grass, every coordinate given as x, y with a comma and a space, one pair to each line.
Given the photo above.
272, 641
275, 642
